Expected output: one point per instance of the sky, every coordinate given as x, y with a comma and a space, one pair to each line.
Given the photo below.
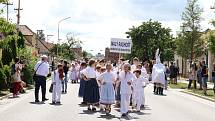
95, 22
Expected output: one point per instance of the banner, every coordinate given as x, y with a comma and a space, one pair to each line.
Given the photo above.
120, 45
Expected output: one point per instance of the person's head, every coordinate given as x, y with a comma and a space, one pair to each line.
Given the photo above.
65, 63
135, 61
16, 60
44, 58
60, 66
103, 69
203, 63
127, 67
171, 63
92, 63
83, 64
139, 66
102, 62
165, 65
108, 67
98, 68
137, 73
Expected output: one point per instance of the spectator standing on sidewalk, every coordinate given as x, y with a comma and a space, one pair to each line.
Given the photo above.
213, 77
204, 77
199, 75
192, 76
173, 73
41, 71
64, 82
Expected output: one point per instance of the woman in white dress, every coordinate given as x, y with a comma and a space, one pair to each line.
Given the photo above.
74, 74
107, 80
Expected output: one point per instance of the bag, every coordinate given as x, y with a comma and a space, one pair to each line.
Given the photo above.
35, 75
51, 88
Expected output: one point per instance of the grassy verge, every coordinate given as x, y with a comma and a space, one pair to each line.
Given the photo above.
196, 92
178, 86
4, 92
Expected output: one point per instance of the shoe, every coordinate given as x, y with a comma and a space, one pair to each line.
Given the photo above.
58, 103
65, 91
93, 109
53, 102
62, 91
45, 99
89, 109
124, 114
36, 101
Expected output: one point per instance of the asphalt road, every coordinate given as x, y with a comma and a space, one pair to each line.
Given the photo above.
175, 106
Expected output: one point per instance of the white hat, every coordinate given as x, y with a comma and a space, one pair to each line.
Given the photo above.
44, 56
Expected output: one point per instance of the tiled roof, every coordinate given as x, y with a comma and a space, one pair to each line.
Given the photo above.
25, 30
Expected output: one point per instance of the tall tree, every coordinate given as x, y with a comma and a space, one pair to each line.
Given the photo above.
189, 45
150, 36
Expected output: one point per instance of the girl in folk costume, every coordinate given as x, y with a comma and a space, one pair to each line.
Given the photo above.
82, 81
91, 93
107, 96
57, 78
139, 83
125, 77
74, 74
158, 75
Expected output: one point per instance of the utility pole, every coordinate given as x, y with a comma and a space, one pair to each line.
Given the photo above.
8, 4
18, 15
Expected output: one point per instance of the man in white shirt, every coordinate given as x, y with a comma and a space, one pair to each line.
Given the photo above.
41, 70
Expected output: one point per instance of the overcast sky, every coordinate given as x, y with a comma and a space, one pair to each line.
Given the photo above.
96, 21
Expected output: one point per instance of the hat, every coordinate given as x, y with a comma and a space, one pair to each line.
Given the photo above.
44, 56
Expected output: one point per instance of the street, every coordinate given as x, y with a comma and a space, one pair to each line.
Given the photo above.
175, 106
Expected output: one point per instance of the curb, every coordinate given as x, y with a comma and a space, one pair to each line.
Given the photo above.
197, 95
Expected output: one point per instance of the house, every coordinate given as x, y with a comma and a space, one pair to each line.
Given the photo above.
77, 49
110, 56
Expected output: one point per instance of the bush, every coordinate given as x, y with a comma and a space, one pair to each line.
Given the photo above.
2, 79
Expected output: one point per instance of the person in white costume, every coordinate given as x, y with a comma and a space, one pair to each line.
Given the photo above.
158, 75
135, 64
125, 77
57, 78
138, 85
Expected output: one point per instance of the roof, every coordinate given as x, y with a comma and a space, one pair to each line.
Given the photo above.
25, 30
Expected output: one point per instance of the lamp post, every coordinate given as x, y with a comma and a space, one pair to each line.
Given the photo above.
58, 30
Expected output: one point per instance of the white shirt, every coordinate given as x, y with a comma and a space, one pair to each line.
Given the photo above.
89, 72
139, 83
133, 68
55, 77
108, 77
125, 88
43, 69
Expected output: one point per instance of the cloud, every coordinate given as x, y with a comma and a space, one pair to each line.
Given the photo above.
96, 21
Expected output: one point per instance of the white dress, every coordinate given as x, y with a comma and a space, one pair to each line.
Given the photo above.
107, 90
158, 74
56, 93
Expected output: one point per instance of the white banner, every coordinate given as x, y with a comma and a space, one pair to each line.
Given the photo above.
120, 45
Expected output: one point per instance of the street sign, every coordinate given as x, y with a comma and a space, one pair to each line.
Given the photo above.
119, 45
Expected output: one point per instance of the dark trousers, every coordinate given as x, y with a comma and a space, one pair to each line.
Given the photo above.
40, 82
190, 83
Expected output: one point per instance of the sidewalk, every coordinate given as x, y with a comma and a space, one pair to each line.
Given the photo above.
184, 80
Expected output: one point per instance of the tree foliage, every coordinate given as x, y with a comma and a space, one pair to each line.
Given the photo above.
189, 45
150, 36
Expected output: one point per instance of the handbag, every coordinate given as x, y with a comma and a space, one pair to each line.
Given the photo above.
35, 75
51, 86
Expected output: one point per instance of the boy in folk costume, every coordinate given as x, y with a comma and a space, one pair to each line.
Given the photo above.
125, 78
138, 85
158, 75
107, 95
57, 78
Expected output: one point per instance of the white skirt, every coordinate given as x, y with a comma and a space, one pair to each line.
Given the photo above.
107, 94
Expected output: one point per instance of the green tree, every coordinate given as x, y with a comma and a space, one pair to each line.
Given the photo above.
189, 45
150, 36
21, 40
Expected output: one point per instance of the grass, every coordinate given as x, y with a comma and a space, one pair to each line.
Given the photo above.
4, 92
179, 85
196, 92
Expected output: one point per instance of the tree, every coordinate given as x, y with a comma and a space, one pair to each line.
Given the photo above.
150, 36
189, 45
21, 40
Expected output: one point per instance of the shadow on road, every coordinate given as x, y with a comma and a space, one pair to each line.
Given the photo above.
37, 103
108, 117
55, 104
89, 112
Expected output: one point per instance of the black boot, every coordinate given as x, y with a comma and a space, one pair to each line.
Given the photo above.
154, 88
157, 91
161, 91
